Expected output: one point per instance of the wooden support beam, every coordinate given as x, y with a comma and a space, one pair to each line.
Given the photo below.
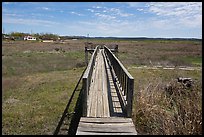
130, 89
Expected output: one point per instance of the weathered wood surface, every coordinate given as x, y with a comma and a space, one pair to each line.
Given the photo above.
98, 93
106, 126
104, 99
87, 80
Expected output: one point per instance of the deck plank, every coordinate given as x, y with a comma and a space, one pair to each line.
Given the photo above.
105, 88
99, 87
93, 88
98, 98
108, 126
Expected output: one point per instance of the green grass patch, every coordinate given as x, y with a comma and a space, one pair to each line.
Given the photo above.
37, 102
24, 63
193, 60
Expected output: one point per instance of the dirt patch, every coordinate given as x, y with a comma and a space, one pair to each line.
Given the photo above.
12, 101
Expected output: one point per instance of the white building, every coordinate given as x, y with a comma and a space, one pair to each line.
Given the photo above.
29, 38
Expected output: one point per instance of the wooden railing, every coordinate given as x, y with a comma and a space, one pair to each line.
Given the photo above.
126, 81
87, 80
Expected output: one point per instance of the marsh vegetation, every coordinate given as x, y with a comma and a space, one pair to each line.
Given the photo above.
38, 79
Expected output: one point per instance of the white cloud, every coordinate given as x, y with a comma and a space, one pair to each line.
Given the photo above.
177, 9
105, 17
12, 14
6, 3
161, 24
134, 4
104, 10
97, 7
75, 13
171, 15
111, 28
110, 13
151, 27
135, 28
117, 11
188, 14
140, 9
125, 14
194, 21
28, 21
40, 15
45, 8
91, 10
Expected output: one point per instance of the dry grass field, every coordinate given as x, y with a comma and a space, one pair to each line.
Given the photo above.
38, 79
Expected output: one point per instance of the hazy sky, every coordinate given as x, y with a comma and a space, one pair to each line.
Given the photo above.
128, 19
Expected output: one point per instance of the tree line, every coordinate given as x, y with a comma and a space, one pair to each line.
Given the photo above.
39, 36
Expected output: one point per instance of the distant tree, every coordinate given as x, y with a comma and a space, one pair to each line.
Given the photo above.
18, 35
43, 36
48, 36
37, 35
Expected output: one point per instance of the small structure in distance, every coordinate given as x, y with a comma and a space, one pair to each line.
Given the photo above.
29, 38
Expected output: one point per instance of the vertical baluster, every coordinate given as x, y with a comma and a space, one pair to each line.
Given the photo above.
123, 78
130, 97
125, 86
85, 89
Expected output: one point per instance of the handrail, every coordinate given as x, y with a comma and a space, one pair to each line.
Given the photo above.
126, 81
87, 80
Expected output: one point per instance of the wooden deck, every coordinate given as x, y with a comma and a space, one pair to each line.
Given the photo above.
105, 112
103, 100
98, 95
106, 126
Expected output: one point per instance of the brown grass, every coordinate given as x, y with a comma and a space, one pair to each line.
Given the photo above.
165, 53
173, 111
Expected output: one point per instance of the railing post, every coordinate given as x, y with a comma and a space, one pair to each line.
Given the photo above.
130, 97
85, 90
116, 50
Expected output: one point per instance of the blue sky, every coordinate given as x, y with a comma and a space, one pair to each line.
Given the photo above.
120, 19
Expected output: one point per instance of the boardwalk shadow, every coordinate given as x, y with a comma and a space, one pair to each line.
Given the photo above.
69, 121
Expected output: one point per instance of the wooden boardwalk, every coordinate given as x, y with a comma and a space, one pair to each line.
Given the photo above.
105, 110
